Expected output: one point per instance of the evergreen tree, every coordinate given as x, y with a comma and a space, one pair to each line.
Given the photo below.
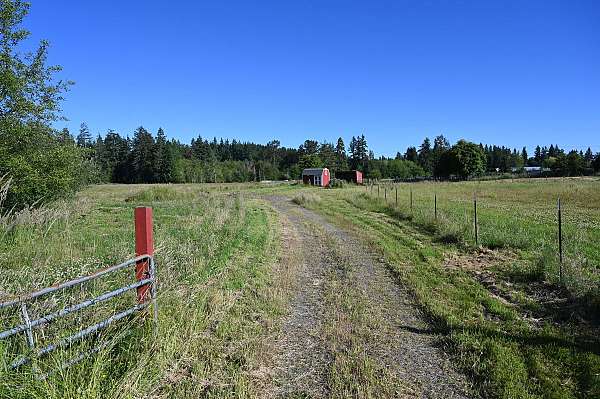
65, 137
143, 156
164, 160
596, 162
341, 162
440, 147
588, 157
114, 163
310, 147
424, 155
524, 155
411, 154
84, 138
328, 156
353, 154
361, 153
537, 155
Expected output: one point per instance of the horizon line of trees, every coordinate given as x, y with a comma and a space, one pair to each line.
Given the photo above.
437, 160
40, 164
148, 158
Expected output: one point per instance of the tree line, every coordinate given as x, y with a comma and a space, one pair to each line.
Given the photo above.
441, 160
149, 158
39, 163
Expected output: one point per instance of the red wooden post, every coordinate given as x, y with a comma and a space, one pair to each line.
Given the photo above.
144, 245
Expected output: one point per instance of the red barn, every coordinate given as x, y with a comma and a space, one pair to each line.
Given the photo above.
316, 176
351, 176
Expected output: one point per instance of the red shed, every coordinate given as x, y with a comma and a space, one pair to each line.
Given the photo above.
316, 176
351, 176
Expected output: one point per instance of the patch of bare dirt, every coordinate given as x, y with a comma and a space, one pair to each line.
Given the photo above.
482, 259
537, 301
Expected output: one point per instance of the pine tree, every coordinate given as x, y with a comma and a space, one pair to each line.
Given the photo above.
524, 155
537, 155
353, 154
588, 157
310, 147
84, 138
341, 162
440, 147
164, 161
143, 156
65, 137
114, 162
411, 154
424, 155
328, 156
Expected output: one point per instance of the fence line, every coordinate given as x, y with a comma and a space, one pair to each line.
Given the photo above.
476, 227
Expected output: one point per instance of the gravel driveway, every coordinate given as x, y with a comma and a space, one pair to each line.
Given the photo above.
401, 342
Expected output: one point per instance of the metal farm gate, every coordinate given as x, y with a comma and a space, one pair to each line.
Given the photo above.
145, 284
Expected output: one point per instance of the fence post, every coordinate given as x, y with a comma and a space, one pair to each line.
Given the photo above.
378, 190
475, 220
560, 249
144, 245
385, 193
396, 195
411, 201
435, 205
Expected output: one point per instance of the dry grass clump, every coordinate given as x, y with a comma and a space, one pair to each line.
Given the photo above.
303, 199
29, 216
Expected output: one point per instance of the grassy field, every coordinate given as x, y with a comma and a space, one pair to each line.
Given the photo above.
505, 317
214, 253
508, 320
520, 215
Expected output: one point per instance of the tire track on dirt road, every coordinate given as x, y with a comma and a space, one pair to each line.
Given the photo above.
350, 329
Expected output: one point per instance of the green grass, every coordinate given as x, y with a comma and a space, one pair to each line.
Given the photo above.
519, 215
214, 249
490, 338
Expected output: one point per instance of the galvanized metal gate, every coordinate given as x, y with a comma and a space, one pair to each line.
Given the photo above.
145, 271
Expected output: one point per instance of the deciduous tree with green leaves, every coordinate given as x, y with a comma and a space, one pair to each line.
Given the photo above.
41, 162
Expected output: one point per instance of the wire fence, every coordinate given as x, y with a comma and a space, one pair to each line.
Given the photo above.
567, 248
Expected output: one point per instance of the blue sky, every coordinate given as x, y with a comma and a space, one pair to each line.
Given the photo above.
508, 72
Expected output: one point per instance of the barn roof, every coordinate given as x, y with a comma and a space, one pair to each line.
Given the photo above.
313, 171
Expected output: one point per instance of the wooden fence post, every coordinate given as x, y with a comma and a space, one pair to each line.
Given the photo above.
396, 195
144, 245
435, 205
411, 201
385, 193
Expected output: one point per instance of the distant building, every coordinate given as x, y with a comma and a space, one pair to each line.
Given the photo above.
351, 176
531, 170
316, 176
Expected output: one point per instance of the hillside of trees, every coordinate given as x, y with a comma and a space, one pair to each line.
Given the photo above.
39, 163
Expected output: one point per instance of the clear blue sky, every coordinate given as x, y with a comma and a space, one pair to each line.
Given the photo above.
508, 72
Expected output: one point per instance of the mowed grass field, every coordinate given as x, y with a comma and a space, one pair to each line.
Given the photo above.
214, 252
506, 318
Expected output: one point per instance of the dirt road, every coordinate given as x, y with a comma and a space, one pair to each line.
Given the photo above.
351, 329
